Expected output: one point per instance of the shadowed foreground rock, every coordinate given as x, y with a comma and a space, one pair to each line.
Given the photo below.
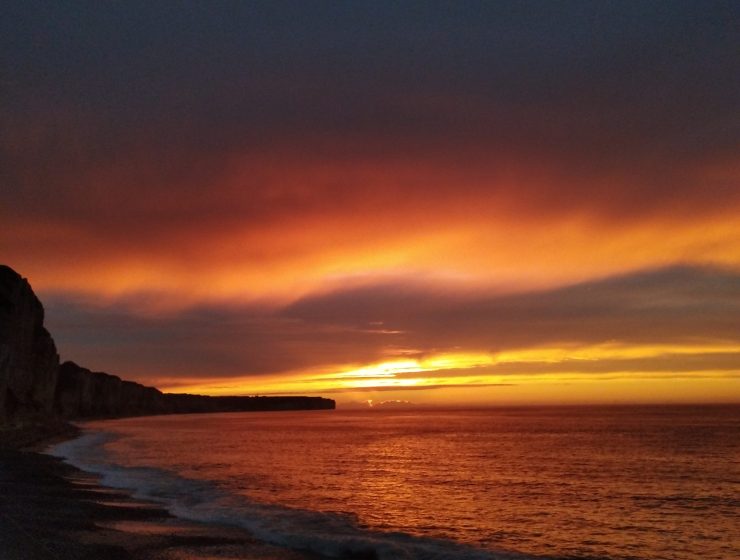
28, 356
36, 391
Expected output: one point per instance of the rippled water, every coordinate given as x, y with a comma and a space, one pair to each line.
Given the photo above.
616, 482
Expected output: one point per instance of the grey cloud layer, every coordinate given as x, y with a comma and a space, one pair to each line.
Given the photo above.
117, 116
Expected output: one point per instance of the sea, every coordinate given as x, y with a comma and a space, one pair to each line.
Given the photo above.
615, 482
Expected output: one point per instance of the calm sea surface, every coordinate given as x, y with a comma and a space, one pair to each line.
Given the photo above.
617, 482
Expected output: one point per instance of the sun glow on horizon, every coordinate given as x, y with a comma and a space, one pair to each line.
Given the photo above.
533, 372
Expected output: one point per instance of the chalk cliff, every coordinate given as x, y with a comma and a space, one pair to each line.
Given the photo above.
35, 388
82, 393
28, 356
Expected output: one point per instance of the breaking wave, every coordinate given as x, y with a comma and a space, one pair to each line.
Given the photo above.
334, 535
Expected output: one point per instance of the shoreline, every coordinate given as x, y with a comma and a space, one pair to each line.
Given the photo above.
54, 511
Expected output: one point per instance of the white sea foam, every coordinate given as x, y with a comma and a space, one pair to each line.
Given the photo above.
334, 535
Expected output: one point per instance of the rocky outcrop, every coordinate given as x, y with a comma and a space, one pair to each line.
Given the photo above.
28, 356
36, 391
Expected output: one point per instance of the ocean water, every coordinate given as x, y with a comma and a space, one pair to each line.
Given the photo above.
642, 483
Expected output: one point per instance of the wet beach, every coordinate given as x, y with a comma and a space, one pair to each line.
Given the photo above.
53, 511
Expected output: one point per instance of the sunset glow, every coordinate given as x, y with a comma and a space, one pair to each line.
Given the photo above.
448, 211
542, 374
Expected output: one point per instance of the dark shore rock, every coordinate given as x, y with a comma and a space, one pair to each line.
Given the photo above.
37, 394
28, 357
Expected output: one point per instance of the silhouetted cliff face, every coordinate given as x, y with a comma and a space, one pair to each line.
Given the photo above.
35, 389
28, 356
82, 393
202, 403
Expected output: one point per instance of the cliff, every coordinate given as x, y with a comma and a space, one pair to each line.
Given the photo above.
35, 389
82, 393
202, 403
28, 356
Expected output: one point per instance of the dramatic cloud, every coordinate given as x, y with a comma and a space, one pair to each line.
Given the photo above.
675, 305
217, 190
213, 149
679, 312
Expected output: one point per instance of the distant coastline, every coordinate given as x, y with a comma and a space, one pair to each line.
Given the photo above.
38, 396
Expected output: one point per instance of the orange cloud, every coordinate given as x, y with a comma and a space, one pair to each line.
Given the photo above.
280, 233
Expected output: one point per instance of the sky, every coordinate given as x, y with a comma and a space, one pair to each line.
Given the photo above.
468, 203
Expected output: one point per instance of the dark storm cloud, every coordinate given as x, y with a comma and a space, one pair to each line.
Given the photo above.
106, 106
671, 306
